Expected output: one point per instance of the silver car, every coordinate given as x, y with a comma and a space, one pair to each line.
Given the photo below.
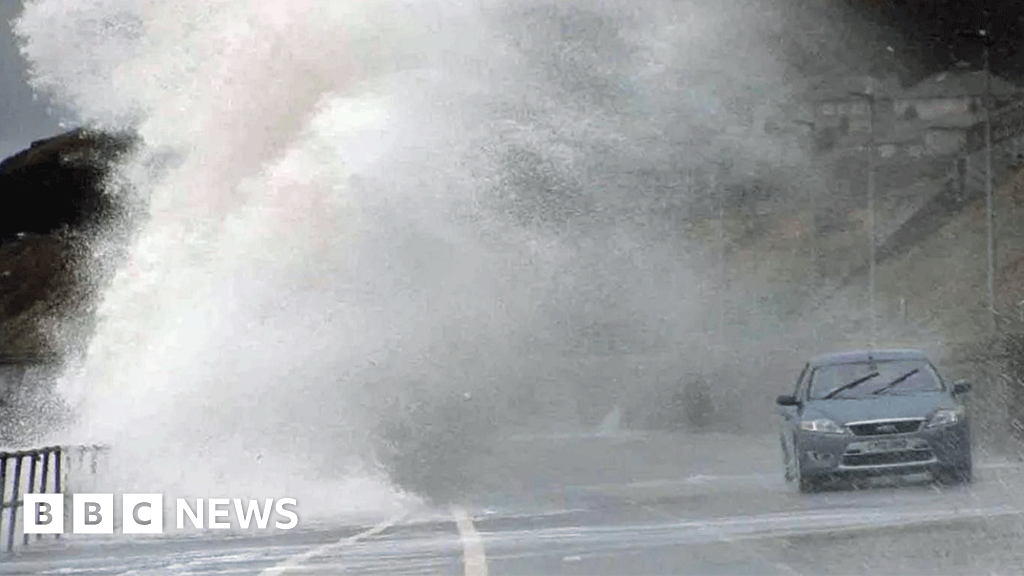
874, 412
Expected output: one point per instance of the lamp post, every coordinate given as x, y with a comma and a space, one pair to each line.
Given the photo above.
811, 201
721, 167
870, 98
990, 245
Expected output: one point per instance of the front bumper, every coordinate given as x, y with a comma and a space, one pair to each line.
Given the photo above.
926, 449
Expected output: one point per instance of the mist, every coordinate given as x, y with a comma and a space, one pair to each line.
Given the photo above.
367, 237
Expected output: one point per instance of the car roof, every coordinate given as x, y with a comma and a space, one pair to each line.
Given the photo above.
851, 356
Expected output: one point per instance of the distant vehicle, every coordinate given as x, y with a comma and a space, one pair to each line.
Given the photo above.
874, 412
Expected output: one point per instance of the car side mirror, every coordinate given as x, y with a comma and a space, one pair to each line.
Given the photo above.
961, 387
787, 400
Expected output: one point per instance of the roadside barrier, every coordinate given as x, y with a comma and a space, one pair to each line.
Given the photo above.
46, 470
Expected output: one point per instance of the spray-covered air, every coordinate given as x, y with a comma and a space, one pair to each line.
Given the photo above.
376, 231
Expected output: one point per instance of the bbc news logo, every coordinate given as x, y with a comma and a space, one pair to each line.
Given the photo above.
143, 513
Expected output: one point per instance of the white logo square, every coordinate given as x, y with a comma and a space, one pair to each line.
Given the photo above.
92, 514
43, 514
142, 514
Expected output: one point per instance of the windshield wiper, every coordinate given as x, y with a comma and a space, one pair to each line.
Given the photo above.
846, 387
896, 382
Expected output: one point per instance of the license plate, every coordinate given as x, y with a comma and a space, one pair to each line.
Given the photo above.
886, 445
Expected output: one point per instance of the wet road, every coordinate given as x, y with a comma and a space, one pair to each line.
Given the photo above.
658, 504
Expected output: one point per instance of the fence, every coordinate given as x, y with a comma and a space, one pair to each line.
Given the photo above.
38, 471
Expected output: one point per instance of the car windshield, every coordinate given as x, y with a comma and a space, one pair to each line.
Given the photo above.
876, 378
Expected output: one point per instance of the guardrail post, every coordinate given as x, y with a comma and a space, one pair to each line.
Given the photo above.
58, 456
13, 519
31, 482
3, 487
44, 476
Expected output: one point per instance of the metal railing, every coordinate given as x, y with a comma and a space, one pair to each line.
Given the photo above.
44, 470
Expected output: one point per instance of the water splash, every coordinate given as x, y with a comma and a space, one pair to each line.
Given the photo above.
354, 210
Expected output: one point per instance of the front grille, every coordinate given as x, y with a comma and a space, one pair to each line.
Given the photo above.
900, 457
883, 428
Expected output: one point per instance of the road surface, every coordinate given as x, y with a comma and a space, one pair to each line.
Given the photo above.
625, 504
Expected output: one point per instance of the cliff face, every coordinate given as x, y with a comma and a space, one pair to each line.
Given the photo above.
51, 204
56, 183
52, 197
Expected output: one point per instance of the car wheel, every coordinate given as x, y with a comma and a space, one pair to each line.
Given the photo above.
808, 484
787, 467
805, 484
957, 474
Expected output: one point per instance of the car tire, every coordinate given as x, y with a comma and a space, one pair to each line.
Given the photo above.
808, 484
793, 472
805, 484
787, 468
956, 474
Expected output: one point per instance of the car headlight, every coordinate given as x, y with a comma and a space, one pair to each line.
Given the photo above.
946, 417
823, 426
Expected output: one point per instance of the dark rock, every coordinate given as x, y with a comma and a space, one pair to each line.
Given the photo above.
57, 183
38, 282
53, 202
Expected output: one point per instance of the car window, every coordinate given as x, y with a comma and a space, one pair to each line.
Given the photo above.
915, 376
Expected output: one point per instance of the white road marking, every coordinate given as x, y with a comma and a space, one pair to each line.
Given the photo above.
193, 560
299, 559
757, 478
725, 537
473, 558
999, 465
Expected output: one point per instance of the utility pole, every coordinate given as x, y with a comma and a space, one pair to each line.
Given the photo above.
720, 241
812, 202
870, 98
721, 168
871, 215
721, 229
990, 244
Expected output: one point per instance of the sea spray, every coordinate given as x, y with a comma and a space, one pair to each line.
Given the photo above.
374, 232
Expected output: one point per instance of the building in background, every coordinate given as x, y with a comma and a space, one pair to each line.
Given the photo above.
917, 136
954, 97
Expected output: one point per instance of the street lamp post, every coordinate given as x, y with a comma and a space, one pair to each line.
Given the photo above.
812, 205
990, 246
870, 98
718, 190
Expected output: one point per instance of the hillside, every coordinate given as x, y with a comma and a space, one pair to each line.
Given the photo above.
935, 290
933, 296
